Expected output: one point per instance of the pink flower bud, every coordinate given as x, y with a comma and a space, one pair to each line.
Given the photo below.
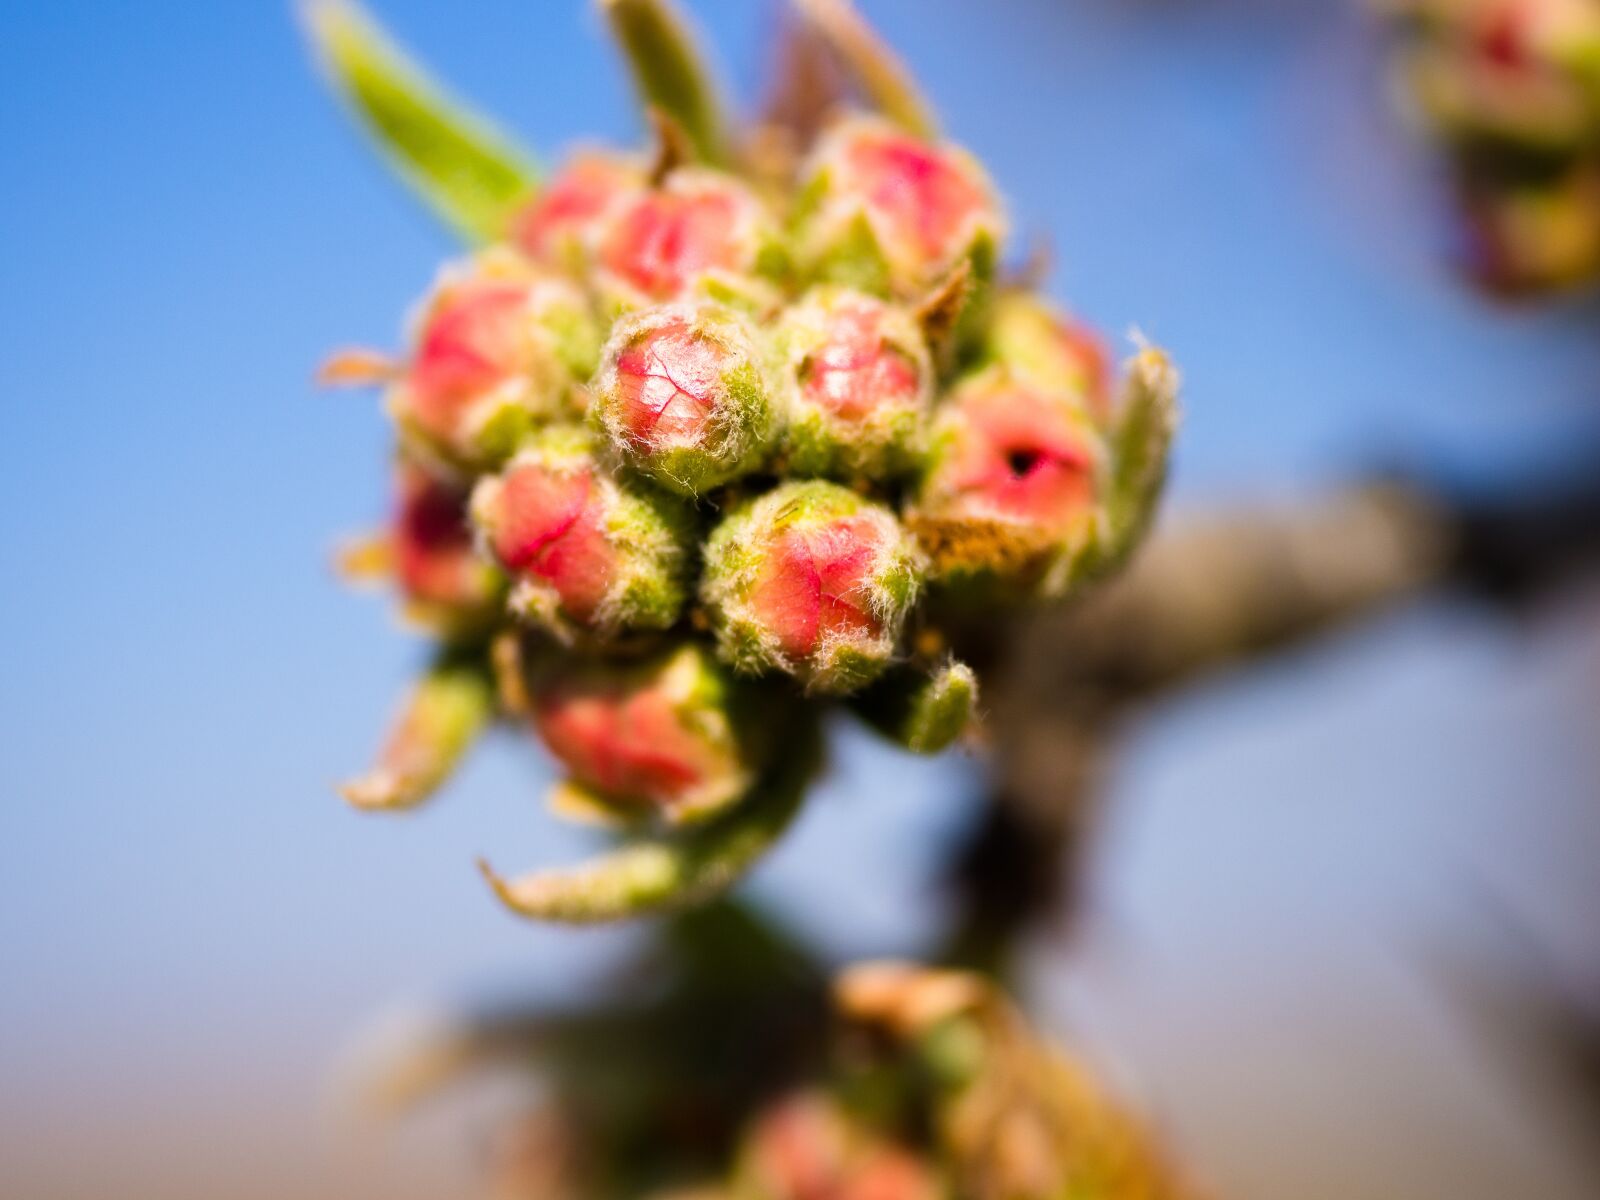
683, 396
664, 737
1052, 350
812, 580
499, 346
858, 382
442, 579
887, 211
585, 551
805, 1148
563, 225
1015, 480
699, 232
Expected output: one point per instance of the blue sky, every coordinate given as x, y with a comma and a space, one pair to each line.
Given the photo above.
188, 224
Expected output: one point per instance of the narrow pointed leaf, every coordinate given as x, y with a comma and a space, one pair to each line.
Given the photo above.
468, 172
1146, 420
438, 722
877, 70
663, 873
924, 711
670, 72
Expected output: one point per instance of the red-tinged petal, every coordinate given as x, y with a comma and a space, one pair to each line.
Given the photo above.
816, 585
548, 524
812, 580
641, 736
1018, 454
667, 385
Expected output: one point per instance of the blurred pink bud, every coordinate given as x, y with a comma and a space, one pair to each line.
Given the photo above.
697, 230
927, 206
562, 226
803, 1148
440, 575
1051, 349
498, 347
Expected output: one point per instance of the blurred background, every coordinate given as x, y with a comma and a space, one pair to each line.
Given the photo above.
1342, 934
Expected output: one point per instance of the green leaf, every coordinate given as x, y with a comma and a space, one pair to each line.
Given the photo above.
923, 711
437, 724
468, 172
877, 70
670, 72
664, 873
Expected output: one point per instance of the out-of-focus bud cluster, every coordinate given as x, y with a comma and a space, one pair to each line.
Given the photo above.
942, 1090
912, 1084
703, 447
1511, 88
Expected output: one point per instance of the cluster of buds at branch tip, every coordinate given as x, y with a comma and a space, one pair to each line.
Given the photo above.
812, 580
691, 437
500, 346
587, 552
684, 396
858, 383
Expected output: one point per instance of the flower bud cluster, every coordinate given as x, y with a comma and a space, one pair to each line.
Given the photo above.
1512, 90
706, 445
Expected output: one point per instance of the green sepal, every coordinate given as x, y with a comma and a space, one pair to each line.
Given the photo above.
438, 723
468, 172
663, 873
670, 72
1140, 443
924, 711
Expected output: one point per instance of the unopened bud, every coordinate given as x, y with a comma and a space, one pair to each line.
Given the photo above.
886, 211
683, 396
443, 582
812, 580
1050, 349
1015, 482
698, 234
667, 738
857, 381
500, 347
565, 222
807, 1147
585, 551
